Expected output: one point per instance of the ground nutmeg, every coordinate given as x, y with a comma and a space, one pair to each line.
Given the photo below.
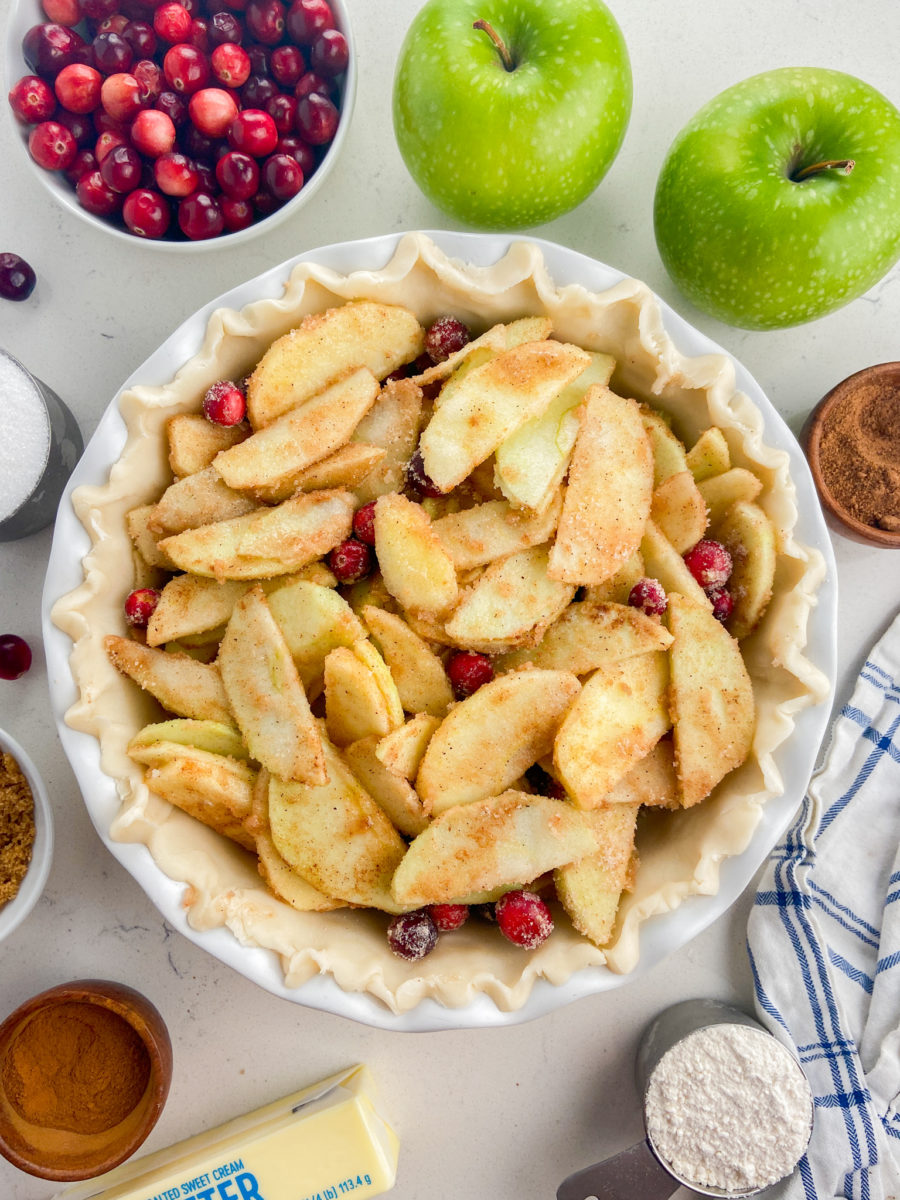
859, 454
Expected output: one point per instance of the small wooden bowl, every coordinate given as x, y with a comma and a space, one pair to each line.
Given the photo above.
67, 1156
811, 439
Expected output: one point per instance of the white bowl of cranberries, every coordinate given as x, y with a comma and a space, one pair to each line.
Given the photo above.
181, 122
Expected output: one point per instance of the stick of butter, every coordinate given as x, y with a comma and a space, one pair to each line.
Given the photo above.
324, 1142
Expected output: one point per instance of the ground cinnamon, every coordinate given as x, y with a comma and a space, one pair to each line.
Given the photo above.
859, 453
16, 827
77, 1067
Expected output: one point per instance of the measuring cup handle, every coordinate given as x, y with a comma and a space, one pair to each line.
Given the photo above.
633, 1174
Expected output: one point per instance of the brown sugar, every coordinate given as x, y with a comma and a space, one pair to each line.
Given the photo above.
860, 454
16, 827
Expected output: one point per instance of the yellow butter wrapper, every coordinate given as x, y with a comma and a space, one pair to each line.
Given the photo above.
325, 1142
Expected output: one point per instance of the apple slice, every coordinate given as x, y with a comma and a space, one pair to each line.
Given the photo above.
403, 749
266, 694
392, 792
314, 621
610, 486
669, 457
508, 839
181, 684
679, 511
478, 535
199, 499
749, 536
710, 698
194, 442
651, 781
189, 605
325, 346
361, 698
418, 673
663, 563
721, 491
213, 736
587, 636
415, 567
492, 401
145, 541
589, 890
709, 455
392, 424
617, 588
491, 738
347, 467
617, 719
494, 341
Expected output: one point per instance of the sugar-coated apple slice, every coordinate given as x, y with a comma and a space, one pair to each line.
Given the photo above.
145, 541
679, 510
314, 620
418, 673
415, 567
709, 455
588, 635
494, 340
213, 736
403, 749
392, 424
710, 699
347, 467
199, 499
721, 491
361, 698
749, 536
190, 604
325, 346
669, 456
617, 588
181, 684
491, 738
607, 501
590, 889
392, 792
663, 563
507, 839
478, 535
194, 442
651, 781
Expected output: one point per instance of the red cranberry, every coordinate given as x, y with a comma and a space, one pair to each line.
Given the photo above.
364, 523
259, 59
206, 176
140, 606
153, 133
293, 144
141, 37
224, 403
212, 110
120, 96
258, 91
311, 82
63, 12
225, 27
329, 53
283, 111
173, 106
524, 919
112, 53
78, 88
238, 175
238, 214
264, 204
253, 131
198, 35
317, 119
418, 480
709, 563
649, 596
265, 21
186, 69
350, 561
150, 81
17, 278
282, 176
50, 47
200, 217
106, 143
722, 602
15, 656
146, 213
230, 64
121, 169
172, 22
82, 164
448, 917
468, 671
308, 18
99, 10
112, 24
80, 125
444, 337
287, 65
103, 122
412, 935
96, 196
52, 146
32, 99
175, 174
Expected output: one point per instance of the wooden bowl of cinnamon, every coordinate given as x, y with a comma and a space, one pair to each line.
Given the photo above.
852, 442
85, 1070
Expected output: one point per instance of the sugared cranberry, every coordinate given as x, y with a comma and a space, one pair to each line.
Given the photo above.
282, 176
287, 65
200, 217
265, 21
17, 277
122, 168
238, 175
444, 337
32, 99
224, 403
52, 146
175, 174
317, 119
186, 69
146, 213
212, 110
448, 917
649, 596
237, 214
15, 657
230, 64
140, 606
63, 12
329, 53
120, 96
709, 563
172, 22
524, 919
418, 480
364, 523
153, 133
96, 196
225, 27
306, 19
253, 132
141, 37
49, 47
468, 671
174, 106
350, 561
112, 53
722, 602
412, 935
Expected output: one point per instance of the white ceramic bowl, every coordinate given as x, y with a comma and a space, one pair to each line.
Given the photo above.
13, 913
26, 13
659, 936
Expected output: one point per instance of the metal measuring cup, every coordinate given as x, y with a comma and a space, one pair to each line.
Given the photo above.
640, 1173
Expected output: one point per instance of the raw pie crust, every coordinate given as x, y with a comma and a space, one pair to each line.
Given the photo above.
680, 852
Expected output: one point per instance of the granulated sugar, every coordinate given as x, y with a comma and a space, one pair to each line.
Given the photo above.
728, 1108
25, 446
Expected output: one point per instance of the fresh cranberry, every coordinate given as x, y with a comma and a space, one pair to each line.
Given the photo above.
173, 106
83, 162
283, 111
649, 596
722, 603
153, 133
206, 177
468, 671
141, 37
121, 169
120, 96
265, 21
198, 35
146, 213
150, 81
306, 19
264, 204
112, 53
350, 561
364, 523
80, 125
106, 143
709, 563
417, 479
99, 10
412, 935
317, 119
308, 82
15, 656
96, 196
444, 337
172, 22
287, 65
140, 606
329, 53
448, 917
224, 27
32, 99
524, 919
17, 277
259, 59
212, 110
103, 122
258, 91
230, 64
78, 88
253, 132
63, 12
50, 47
175, 174
224, 403
293, 144
282, 176
238, 175
237, 214
186, 69
112, 24
52, 146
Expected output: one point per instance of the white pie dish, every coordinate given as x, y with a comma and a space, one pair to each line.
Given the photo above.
519, 988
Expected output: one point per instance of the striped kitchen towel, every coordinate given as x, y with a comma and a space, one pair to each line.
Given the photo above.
824, 944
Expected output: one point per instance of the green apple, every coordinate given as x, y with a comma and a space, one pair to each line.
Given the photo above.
510, 112
780, 200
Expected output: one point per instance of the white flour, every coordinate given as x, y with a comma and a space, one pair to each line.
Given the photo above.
729, 1109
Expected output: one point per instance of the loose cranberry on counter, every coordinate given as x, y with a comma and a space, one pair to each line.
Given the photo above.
649, 596
412, 935
364, 523
140, 606
722, 602
350, 561
17, 278
444, 337
709, 563
524, 919
224, 403
448, 917
15, 656
468, 671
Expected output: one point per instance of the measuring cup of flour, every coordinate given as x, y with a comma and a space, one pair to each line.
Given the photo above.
40, 447
727, 1111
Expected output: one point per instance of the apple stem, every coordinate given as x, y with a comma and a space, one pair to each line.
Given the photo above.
498, 41
832, 164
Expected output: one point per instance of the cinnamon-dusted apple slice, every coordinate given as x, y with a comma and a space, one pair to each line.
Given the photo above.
392, 424
347, 467
415, 567
336, 837
145, 540
314, 620
749, 536
213, 736
493, 341
587, 636
266, 695
491, 738
181, 684
591, 888
419, 674
269, 542
325, 346
651, 781
194, 442
360, 696
679, 511
199, 499
710, 698
607, 501
478, 535
663, 563
669, 457
506, 840
721, 491
532, 461
492, 401
617, 588
709, 455
403, 749
619, 717
392, 792
274, 455
189, 604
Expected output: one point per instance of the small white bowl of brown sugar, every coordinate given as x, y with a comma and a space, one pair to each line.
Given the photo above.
26, 835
